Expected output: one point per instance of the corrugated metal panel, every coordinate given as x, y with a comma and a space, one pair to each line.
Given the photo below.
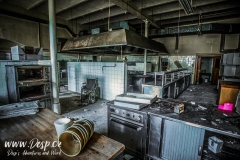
180, 141
154, 136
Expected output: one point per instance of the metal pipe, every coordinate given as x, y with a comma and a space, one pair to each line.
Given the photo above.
145, 51
155, 78
222, 43
53, 54
163, 77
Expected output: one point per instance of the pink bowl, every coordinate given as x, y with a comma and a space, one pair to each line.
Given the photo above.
228, 106
220, 106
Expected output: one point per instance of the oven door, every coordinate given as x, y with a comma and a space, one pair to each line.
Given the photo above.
128, 133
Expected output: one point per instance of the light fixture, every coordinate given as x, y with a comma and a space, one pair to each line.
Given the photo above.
187, 6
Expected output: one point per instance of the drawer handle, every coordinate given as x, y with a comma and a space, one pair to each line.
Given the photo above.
126, 124
200, 150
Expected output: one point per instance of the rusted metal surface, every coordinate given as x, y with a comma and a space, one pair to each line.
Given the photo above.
41, 126
114, 38
33, 82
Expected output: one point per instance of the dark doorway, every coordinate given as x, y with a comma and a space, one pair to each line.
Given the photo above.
207, 69
215, 70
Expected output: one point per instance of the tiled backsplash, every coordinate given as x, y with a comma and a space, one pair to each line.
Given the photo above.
110, 75
186, 62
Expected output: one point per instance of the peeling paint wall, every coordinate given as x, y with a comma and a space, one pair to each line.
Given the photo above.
44, 35
204, 44
27, 32
18, 30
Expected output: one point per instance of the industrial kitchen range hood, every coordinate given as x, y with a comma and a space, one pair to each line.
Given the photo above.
116, 41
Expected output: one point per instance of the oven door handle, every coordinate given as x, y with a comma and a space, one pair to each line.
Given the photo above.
126, 124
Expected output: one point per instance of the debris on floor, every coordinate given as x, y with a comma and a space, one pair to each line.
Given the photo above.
192, 102
213, 123
203, 93
201, 107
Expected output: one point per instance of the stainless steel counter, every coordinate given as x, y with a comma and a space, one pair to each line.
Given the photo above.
203, 116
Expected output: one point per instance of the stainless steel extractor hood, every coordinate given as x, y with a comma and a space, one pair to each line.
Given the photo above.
116, 41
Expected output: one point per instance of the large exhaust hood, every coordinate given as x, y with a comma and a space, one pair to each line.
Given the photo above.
116, 41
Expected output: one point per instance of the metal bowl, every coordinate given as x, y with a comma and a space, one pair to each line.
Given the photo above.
70, 143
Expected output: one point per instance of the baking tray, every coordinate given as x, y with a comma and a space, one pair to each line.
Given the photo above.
131, 105
136, 98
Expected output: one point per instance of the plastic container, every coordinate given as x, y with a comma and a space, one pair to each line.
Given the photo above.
215, 144
228, 106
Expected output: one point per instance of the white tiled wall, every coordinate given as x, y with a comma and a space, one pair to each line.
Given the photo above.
3, 76
110, 79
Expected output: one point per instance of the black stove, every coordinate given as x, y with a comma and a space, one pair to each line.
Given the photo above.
128, 126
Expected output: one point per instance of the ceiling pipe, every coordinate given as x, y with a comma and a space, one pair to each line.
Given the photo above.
145, 51
177, 44
53, 56
187, 6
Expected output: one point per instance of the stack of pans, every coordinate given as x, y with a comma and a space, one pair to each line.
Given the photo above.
75, 137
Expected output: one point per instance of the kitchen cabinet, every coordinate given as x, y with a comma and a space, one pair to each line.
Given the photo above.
173, 140
236, 59
167, 83
229, 71
155, 131
181, 141
224, 59
229, 59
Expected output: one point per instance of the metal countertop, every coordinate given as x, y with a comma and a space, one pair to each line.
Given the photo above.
196, 115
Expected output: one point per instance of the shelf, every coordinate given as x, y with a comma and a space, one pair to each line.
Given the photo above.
38, 97
230, 64
32, 82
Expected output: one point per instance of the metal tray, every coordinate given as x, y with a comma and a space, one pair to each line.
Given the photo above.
136, 98
131, 105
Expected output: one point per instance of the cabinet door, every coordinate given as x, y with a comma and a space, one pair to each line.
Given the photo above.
229, 70
224, 59
181, 141
155, 131
229, 58
236, 59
